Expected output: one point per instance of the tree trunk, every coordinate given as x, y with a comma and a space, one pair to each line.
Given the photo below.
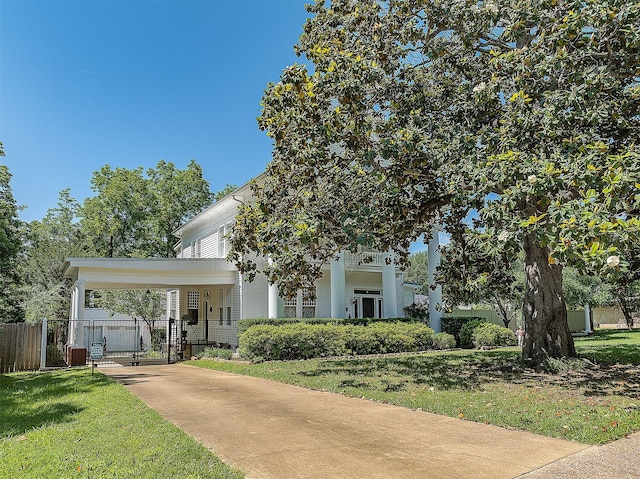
544, 310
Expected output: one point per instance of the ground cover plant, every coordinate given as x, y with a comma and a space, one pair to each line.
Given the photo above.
70, 423
594, 399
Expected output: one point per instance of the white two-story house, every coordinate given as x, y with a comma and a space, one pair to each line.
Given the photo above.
207, 295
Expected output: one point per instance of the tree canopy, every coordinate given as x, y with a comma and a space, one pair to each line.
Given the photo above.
49, 241
523, 114
135, 215
11, 230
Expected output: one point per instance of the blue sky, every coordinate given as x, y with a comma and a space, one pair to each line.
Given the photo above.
129, 83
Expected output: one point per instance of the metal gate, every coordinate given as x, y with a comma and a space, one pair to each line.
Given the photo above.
129, 342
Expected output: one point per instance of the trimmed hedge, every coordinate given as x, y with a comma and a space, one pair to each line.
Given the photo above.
453, 325
305, 341
491, 335
466, 332
443, 341
245, 324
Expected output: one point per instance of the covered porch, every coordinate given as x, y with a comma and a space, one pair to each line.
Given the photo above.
200, 299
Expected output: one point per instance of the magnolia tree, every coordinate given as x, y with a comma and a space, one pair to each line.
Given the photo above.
522, 115
472, 275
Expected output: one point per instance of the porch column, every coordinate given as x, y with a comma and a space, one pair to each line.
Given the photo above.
72, 311
435, 295
337, 287
389, 296
587, 319
78, 314
273, 300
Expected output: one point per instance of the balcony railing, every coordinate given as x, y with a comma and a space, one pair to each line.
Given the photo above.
364, 258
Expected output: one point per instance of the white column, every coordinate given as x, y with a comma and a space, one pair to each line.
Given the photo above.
435, 295
389, 296
72, 318
43, 345
338, 287
79, 314
273, 300
587, 319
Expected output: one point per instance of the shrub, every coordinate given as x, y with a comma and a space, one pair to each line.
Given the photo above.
304, 341
453, 325
466, 332
443, 341
491, 335
222, 353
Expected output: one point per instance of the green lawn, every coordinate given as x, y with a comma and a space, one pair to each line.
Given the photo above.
67, 424
592, 401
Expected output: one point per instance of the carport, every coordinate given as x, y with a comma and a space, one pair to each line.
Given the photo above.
182, 277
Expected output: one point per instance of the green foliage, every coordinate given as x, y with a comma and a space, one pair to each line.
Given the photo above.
489, 335
221, 353
304, 341
135, 215
523, 116
418, 310
467, 330
147, 306
56, 237
562, 365
444, 341
11, 229
418, 271
453, 325
244, 324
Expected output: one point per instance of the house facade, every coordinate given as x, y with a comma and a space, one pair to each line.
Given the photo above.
207, 295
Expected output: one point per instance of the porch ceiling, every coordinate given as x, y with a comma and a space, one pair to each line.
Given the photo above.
161, 273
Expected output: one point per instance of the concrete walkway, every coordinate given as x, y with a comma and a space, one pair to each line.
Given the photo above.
272, 430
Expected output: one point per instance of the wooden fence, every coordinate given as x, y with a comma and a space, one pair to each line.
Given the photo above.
20, 346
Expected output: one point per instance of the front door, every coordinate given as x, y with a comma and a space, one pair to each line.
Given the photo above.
368, 308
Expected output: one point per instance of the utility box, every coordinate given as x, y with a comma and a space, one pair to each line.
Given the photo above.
76, 356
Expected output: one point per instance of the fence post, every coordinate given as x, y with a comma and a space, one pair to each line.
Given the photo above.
43, 345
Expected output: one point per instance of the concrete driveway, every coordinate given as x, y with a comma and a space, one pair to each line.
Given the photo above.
272, 430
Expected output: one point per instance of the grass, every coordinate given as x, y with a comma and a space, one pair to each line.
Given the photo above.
593, 401
68, 424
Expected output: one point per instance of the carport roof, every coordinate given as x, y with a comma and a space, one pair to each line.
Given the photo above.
163, 273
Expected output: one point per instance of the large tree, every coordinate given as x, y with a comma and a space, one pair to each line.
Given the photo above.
11, 247
524, 113
472, 274
51, 240
134, 215
177, 196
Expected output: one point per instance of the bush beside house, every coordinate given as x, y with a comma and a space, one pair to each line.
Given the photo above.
453, 325
301, 340
488, 335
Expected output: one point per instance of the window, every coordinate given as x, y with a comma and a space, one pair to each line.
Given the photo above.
309, 303
221, 305
193, 305
303, 305
290, 307
196, 248
222, 249
224, 305
173, 302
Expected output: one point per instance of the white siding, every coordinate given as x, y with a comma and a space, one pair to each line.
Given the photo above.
323, 292
255, 298
399, 297
209, 246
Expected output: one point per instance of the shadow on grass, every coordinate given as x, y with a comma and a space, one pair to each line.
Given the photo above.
468, 371
475, 370
32, 400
